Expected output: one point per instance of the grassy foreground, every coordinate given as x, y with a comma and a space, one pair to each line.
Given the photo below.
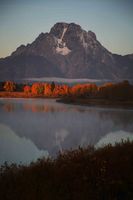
83, 174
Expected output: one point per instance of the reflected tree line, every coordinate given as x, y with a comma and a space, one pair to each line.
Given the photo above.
118, 117
34, 107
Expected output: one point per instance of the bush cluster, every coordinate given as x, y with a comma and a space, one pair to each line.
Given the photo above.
83, 174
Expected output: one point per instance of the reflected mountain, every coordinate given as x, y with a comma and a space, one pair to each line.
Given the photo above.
114, 137
15, 149
55, 126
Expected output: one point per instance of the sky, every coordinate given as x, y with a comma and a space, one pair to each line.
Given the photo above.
21, 21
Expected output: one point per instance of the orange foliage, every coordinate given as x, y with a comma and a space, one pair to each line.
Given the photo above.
9, 86
61, 90
112, 91
47, 89
37, 88
83, 89
27, 89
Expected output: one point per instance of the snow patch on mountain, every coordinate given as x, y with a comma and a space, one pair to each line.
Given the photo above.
64, 31
63, 51
82, 39
61, 46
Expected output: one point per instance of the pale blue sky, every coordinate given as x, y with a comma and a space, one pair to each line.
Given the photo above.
21, 21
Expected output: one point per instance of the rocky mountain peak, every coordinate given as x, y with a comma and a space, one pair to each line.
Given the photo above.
41, 36
62, 28
71, 37
92, 34
66, 51
62, 39
19, 50
58, 28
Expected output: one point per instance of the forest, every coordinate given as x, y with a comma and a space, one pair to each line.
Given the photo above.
122, 91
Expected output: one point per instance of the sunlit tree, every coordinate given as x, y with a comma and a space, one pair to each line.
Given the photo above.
27, 89
47, 89
37, 88
61, 90
84, 89
9, 86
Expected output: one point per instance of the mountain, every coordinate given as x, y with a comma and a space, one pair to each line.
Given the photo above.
66, 51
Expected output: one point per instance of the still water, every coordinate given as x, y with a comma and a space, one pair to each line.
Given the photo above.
33, 128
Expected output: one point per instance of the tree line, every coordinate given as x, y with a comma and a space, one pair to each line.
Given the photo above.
116, 91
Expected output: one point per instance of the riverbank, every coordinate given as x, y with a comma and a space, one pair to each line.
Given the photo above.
96, 102
85, 173
73, 100
19, 95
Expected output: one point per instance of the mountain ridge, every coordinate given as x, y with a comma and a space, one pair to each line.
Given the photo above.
67, 51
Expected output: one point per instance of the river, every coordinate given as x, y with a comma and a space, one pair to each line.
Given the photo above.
33, 128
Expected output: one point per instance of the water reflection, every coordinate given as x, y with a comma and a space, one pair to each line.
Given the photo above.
9, 107
53, 126
112, 138
16, 149
36, 106
60, 137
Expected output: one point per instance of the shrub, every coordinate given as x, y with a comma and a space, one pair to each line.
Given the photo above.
9, 86
37, 88
27, 89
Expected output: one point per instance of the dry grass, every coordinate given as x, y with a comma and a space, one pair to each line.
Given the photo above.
82, 174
